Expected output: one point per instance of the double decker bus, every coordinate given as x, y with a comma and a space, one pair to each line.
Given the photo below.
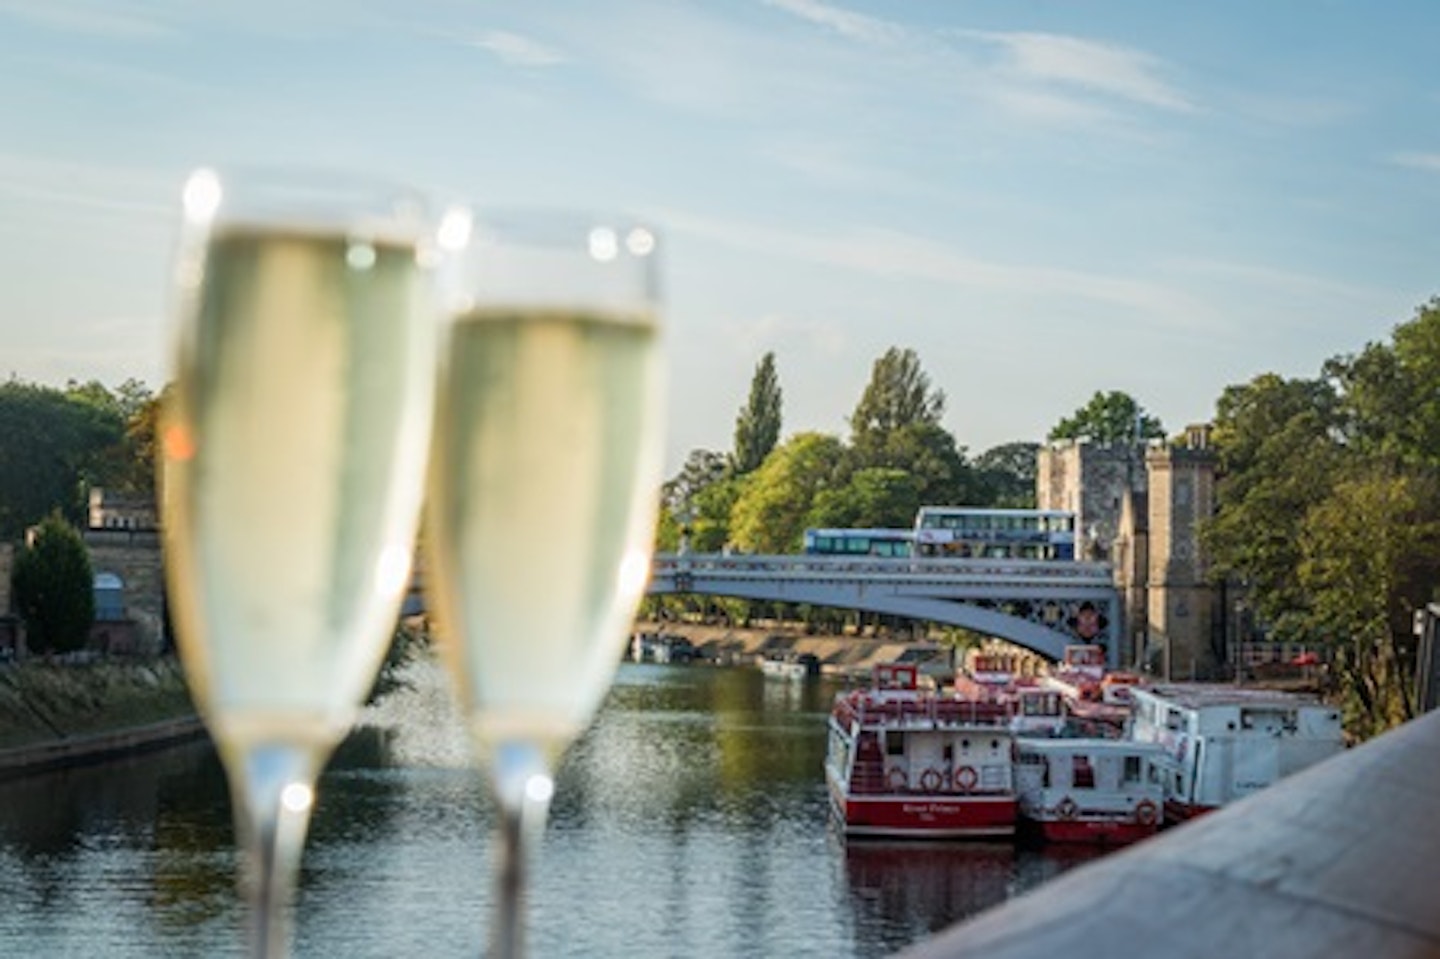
889, 543
967, 531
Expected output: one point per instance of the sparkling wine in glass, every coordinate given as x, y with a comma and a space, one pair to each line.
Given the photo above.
293, 444
544, 480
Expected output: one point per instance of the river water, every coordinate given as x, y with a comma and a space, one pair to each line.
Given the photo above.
691, 820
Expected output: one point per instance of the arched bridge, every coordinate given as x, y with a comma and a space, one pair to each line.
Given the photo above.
1041, 605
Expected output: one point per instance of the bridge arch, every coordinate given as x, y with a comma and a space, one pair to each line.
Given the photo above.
1029, 603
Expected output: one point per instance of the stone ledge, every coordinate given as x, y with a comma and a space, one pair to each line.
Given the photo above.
77, 750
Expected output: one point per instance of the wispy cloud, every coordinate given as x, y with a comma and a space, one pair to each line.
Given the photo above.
517, 50
893, 254
116, 20
804, 334
88, 185
1429, 162
1286, 283
1090, 65
847, 23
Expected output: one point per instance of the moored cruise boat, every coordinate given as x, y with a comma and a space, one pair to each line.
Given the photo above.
1222, 743
909, 763
1097, 791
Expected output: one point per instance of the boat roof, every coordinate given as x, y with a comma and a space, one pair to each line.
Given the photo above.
1086, 745
1198, 695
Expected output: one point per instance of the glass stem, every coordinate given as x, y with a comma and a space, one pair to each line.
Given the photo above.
522, 790
274, 795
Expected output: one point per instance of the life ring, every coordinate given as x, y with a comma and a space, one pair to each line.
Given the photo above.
1146, 813
930, 780
896, 779
966, 778
1067, 808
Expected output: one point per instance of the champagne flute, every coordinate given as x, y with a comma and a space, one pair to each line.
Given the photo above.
544, 479
293, 444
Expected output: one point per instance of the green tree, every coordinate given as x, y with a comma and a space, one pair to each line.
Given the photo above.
876, 497
1005, 475
899, 394
56, 445
54, 587
771, 512
1391, 399
701, 469
1113, 417
1367, 551
757, 427
713, 507
1279, 456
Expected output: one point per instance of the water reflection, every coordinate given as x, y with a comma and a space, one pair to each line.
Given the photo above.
690, 820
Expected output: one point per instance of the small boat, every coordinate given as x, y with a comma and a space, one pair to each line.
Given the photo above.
1098, 791
791, 666
903, 762
1221, 743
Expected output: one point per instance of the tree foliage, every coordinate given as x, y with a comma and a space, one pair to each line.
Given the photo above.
701, 468
54, 587
60, 443
1329, 510
1278, 460
771, 513
1367, 552
898, 395
876, 497
1005, 475
757, 427
1112, 417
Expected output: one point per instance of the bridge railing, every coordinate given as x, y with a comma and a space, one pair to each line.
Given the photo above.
867, 567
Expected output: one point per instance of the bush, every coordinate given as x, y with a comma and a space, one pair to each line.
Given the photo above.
54, 588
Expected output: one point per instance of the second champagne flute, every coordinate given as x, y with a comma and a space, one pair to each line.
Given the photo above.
542, 499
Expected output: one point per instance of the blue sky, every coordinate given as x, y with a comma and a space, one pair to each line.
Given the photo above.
1043, 199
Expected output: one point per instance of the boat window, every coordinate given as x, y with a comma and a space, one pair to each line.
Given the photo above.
1132, 769
1082, 776
894, 742
1174, 720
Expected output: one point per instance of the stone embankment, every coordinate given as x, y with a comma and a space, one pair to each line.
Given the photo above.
62, 714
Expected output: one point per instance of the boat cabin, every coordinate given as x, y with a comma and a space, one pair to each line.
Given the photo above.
1090, 790
1222, 743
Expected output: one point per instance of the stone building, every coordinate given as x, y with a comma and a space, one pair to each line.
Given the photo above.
1184, 623
1140, 508
1090, 480
124, 545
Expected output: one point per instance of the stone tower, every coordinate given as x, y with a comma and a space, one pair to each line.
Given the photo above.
1182, 619
1092, 481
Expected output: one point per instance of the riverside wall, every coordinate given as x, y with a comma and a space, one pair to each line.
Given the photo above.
55, 715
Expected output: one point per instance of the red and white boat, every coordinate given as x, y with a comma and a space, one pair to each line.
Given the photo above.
1097, 699
1221, 743
1097, 791
903, 762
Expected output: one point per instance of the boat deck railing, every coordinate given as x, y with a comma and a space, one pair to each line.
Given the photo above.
925, 712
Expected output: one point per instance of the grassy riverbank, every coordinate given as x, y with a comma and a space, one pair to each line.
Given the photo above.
43, 702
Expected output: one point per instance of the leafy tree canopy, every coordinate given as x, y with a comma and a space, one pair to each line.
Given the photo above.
899, 394
701, 468
757, 427
771, 513
1113, 417
875, 498
1005, 475
54, 587
57, 443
